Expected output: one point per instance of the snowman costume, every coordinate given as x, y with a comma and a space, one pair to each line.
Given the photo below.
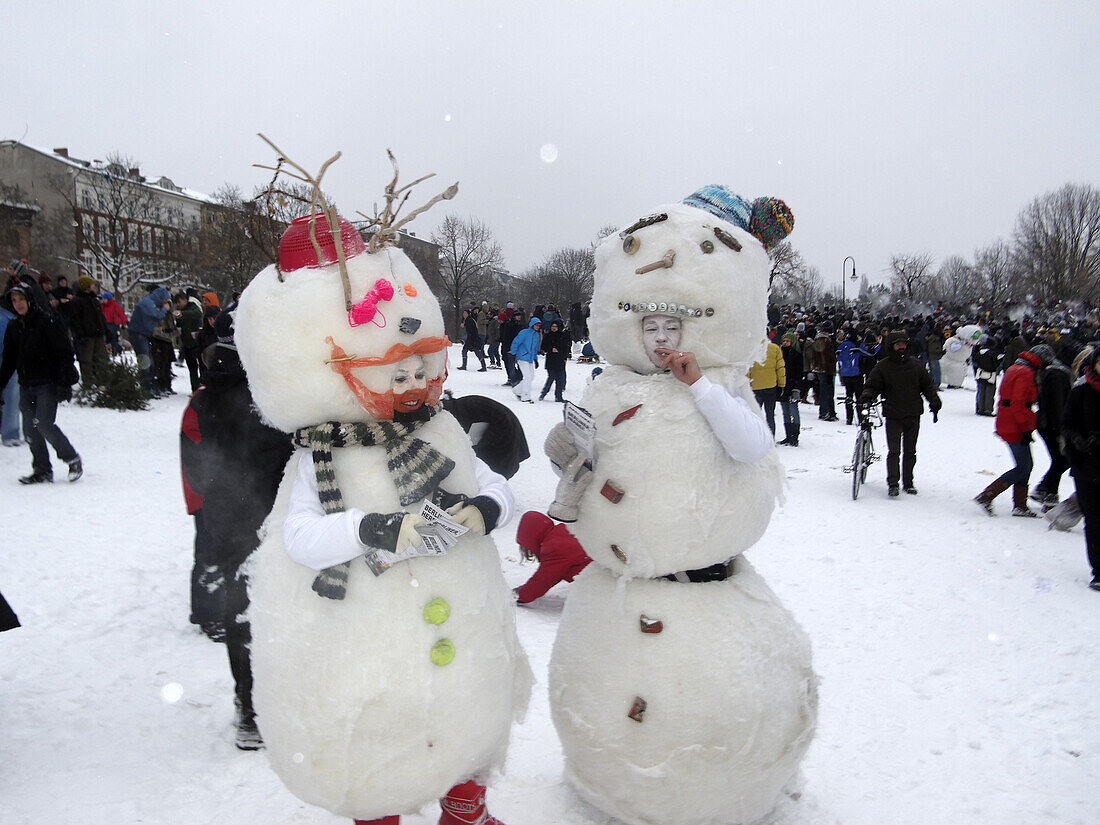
375, 694
681, 689
956, 353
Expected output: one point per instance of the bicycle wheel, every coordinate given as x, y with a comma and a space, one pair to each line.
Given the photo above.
859, 467
868, 451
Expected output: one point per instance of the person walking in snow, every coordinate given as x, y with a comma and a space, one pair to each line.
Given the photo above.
791, 394
525, 349
232, 464
115, 319
985, 360
89, 330
1015, 424
9, 392
823, 366
848, 354
472, 342
1054, 386
37, 347
768, 378
556, 346
901, 380
1081, 432
559, 554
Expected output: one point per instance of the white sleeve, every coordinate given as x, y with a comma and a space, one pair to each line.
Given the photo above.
495, 486
743, 433
312, 537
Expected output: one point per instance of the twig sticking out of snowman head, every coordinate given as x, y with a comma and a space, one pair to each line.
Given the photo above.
386, 221
318, 204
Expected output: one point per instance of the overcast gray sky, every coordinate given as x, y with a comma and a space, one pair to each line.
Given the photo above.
887, 127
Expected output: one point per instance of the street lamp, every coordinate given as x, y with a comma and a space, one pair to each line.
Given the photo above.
843, 269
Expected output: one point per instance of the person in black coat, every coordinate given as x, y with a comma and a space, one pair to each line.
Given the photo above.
901, 380
1054, 385
89, 329
236, 473
986, 361
509, 329
556, 346
1081, 442
473, 341
37, 347
791, 394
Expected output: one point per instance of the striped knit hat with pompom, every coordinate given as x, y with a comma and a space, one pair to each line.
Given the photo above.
769, 220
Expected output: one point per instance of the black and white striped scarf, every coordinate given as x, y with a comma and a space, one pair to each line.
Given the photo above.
415, 466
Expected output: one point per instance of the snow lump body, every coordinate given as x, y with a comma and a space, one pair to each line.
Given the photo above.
680, 687
375, 694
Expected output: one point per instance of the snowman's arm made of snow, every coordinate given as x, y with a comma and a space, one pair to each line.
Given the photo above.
737, 426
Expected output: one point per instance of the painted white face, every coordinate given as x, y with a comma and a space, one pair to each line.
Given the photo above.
409, 384
660, 331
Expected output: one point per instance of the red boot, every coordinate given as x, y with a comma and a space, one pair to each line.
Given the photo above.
465, 805
386, 820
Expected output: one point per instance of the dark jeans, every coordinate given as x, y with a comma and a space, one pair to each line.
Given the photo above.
825, 406
853, 386
476, 350
555, 375
791, 417
493, 352
510, 368
934, 372
1021, 454
1058, 463
191, 356
901, 449
238, 637
1088, 499
163, 355
766, 400
986, 395
143, 351
38, 403
207, 578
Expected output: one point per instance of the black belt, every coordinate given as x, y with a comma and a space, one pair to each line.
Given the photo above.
715, 573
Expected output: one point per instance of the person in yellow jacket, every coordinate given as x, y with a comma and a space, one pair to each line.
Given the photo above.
767, 378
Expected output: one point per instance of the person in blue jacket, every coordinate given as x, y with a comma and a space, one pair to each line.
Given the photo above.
525, 347
848, 352
149, 310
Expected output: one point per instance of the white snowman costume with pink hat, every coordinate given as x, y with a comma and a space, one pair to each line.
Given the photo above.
375, 693
681, 689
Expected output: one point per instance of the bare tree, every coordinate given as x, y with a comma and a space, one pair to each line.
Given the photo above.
468, 254
786, 263
1057, 244
910, 274
996, 275
564, 278
804, 286
955, 283
130, 233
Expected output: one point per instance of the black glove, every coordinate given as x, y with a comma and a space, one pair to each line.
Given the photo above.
796, 396
935, 416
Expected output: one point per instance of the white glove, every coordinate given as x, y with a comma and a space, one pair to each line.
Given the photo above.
559, 447
575, 479
468, 516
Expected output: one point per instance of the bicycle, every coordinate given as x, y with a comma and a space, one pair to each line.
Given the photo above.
864, 455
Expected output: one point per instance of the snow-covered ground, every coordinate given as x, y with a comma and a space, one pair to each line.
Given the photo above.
956, 652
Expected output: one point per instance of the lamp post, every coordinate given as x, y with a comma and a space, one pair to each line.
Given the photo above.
843, 269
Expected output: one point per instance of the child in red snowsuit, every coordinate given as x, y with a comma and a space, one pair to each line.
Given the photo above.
559, 554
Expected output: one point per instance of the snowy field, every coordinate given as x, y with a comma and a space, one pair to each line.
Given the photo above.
956, 653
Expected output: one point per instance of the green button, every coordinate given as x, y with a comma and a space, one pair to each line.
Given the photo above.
437, 611
442, 652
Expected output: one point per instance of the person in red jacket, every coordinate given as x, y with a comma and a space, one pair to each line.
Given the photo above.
559, 554
1016, 421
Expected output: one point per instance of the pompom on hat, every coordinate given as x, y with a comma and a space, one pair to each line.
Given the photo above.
769, 220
